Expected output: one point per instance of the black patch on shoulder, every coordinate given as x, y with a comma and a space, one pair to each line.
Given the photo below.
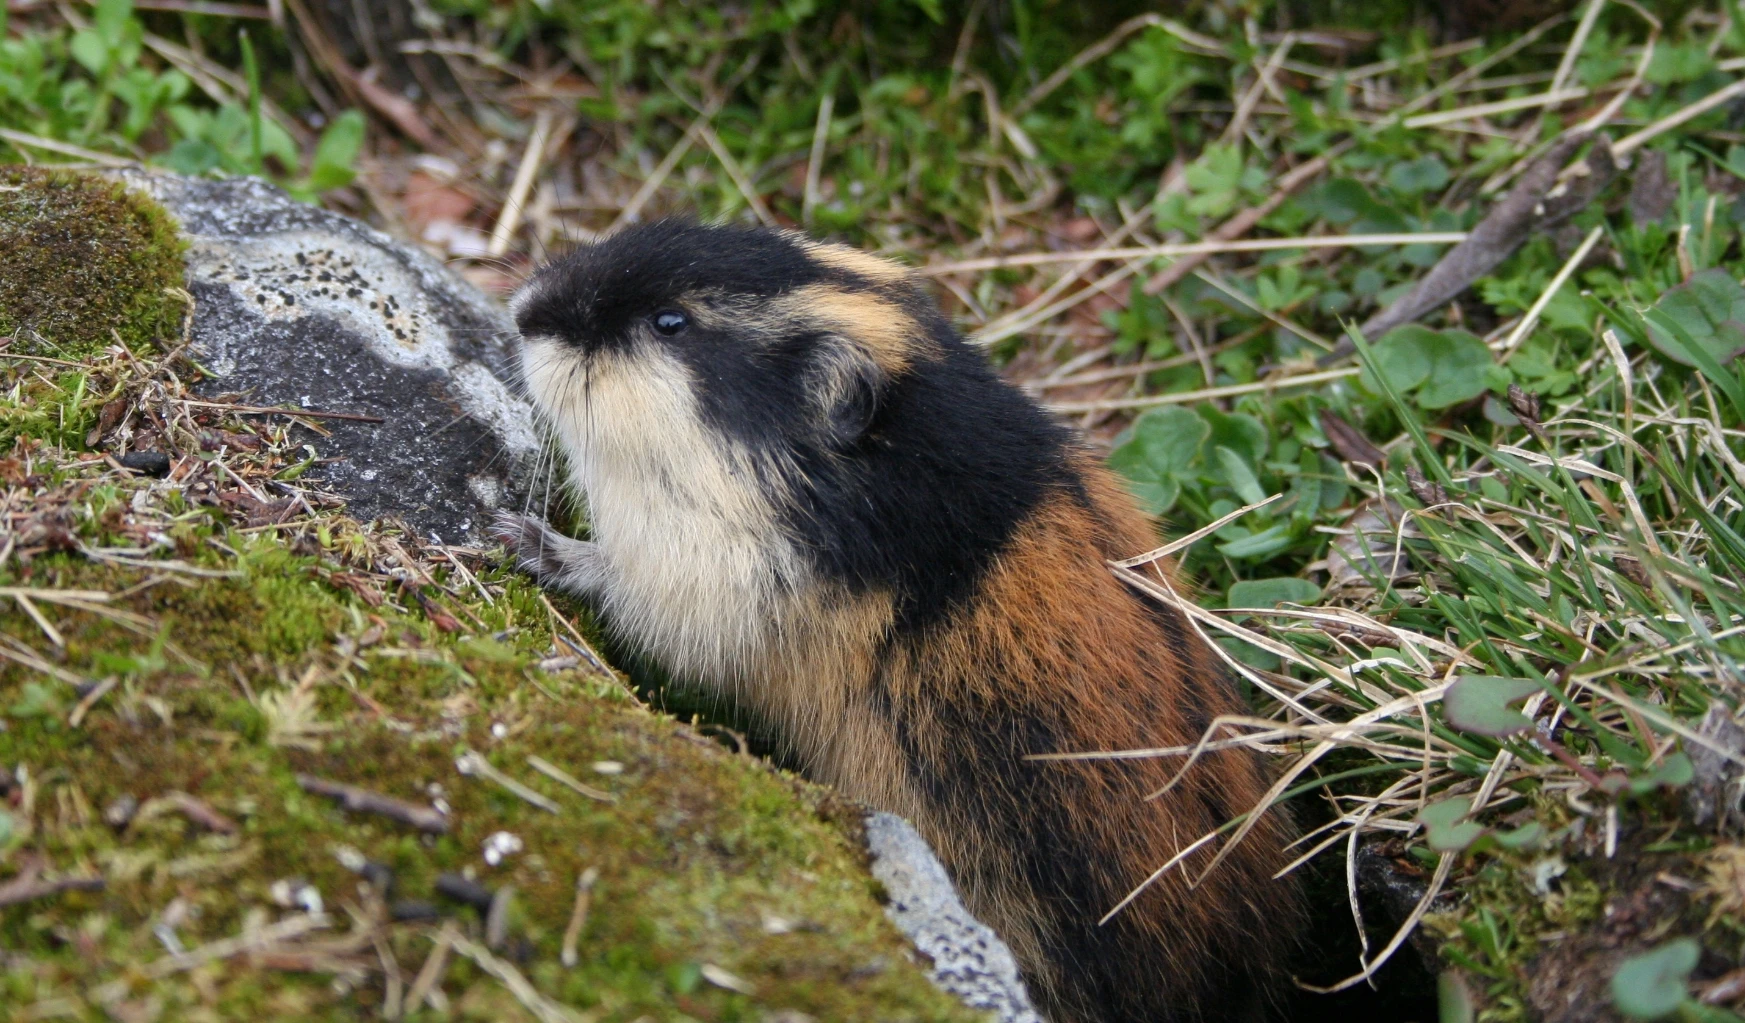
951, 463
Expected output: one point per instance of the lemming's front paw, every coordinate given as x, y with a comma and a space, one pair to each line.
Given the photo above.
533, 545
549, 556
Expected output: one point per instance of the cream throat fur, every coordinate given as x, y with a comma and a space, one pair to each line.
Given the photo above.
693, 560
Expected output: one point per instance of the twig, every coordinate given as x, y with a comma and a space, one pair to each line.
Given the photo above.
578, 915
28, 887
581, 645
1204, 394
225, 948
1107, 45
1204, 248
1182, 543
307, 413
193, 809
531, 158
564, 778
21, 654
1583, 28
1631, 142
424, 818
1501, 106
394, 987
210, 8
1511, 221
77, 717
435, 965
1437, 880
470, 763
815, 159
1529, 321
736, 173
1243, 222
25, 139
1262, 80
542, 1008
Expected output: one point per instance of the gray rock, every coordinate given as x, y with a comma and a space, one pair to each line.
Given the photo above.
296, 305
969, 959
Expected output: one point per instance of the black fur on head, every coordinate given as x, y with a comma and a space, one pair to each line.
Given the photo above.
907, 462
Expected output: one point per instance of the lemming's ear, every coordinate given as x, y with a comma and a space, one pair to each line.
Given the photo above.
846, 386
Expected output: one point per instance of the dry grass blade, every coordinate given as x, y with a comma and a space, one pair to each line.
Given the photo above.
542, 1008
1531, 319
1205, 394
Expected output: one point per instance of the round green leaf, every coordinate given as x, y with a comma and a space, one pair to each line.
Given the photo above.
1425, 174
1237, 431
1155, 454
1481, 704
1402, 356
1444, 831
1651, 985
1707, 311
1459, 366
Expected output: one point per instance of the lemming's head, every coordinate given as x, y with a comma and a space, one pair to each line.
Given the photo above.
757, 335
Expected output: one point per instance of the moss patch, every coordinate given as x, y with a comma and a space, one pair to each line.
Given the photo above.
239, 657
83, 259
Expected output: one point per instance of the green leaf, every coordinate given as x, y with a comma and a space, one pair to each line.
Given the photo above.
1155, 454
89, 49
1480, 704
1453, 999
1249, 654
334, 164
1425, 174
35, 700
1214, 179
1458, 365
1273, 592
1261, 545
1444, 830
111, 21
1651, 985
1528, 836
193, 157
1710, 310
1237, 431
1236, 474
1403, 355
1676, 771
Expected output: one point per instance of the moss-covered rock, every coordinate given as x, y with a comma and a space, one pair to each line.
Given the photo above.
723, 889
83, 260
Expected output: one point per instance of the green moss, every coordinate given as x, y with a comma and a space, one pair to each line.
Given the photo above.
706, 857
83, 259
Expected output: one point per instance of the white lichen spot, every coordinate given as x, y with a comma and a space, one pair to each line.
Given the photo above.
500, 846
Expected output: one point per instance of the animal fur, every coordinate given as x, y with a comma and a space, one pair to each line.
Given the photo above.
817, 499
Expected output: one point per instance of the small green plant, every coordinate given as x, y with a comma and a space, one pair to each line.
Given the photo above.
97, 87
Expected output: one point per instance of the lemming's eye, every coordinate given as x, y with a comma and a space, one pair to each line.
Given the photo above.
671, 321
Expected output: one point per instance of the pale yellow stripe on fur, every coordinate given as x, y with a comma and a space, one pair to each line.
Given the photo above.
889, 336
875, 269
